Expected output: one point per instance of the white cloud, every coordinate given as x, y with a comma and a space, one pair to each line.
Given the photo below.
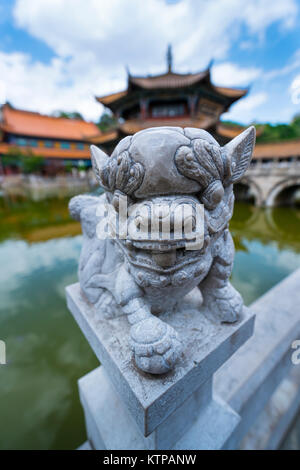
262, 13
295, 90
228, 74
3, 93
246, 109
251, 102
21, 259
94, 39
114, 30
293, 64
49, 87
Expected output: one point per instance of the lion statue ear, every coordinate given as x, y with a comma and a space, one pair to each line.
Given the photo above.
238, 153
99, 162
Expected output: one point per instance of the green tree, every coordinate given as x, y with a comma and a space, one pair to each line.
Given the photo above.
68, 115
81, 165
107, 122
26, 162
14, 158
68, 167
267, 132
279, 132
32, 164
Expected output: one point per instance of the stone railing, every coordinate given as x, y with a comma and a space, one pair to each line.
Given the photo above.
260, 383
257, 166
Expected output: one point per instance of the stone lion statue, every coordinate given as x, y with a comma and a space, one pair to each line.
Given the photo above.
141, 277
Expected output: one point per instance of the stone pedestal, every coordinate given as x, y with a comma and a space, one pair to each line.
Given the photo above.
128, 409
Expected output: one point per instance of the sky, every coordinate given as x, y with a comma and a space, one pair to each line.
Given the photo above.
59, 54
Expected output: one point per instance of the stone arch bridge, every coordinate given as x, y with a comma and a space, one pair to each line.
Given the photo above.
272, 182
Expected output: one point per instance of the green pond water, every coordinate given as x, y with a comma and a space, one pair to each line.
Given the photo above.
46, 352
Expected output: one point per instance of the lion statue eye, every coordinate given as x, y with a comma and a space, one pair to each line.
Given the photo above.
213, 195
217, 195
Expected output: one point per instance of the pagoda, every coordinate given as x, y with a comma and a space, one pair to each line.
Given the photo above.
169, 99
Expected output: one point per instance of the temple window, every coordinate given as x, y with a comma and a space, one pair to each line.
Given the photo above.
80, 146
21, 141
168, 110
48, 143
65, 145
207, 107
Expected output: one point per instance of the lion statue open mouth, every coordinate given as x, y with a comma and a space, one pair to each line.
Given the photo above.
157, 173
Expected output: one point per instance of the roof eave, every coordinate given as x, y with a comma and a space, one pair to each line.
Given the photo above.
233, 99
113, 104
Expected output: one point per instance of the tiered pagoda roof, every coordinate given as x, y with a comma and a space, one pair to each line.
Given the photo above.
167, 81
167, 86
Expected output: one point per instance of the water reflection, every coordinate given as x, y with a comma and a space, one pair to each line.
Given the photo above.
35, 221
46, 352
267, 245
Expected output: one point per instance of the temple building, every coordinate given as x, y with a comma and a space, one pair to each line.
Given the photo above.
60, 141
170, 99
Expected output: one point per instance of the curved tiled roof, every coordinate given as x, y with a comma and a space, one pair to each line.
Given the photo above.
168, 80
171, 80
229, 131
29, 123
288, 148
111, 98
231, 92
105, 137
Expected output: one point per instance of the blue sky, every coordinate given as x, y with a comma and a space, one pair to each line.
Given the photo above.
57, 54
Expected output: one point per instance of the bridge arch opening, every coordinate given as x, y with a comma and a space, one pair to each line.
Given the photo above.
288, 196
243, 192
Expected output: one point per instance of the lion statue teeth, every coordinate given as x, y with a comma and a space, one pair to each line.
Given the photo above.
157, 174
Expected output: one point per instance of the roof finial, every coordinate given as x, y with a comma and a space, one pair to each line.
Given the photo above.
127, 71
169, 58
